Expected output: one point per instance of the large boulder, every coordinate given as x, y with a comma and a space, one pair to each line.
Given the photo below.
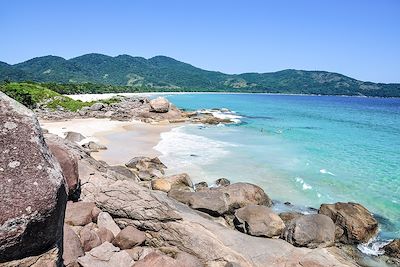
180, 180
258, 221
129, 237
159, 105
288, 216
224, 199
105, 220
33, 191
354, 223
156, 259
147, 168
312, 231
161, 185
69, 167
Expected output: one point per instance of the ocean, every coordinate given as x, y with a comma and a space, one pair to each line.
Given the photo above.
306, 150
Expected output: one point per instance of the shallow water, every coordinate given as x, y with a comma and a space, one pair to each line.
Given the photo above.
306, 150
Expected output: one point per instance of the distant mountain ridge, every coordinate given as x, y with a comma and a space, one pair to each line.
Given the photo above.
165, 73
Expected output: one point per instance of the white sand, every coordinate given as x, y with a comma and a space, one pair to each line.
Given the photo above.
124, 140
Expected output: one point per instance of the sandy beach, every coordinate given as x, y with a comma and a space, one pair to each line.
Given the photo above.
143, 137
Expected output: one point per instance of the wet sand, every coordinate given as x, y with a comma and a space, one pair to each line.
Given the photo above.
124, 140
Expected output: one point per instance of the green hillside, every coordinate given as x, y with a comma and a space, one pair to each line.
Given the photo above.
126, 73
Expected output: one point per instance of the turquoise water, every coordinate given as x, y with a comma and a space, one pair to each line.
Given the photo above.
306, 150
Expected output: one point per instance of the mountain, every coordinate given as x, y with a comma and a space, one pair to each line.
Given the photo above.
165, 73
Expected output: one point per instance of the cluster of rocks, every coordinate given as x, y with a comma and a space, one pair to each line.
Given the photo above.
59, 206
158, 110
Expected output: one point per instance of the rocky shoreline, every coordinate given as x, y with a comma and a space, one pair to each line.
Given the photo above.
59, 206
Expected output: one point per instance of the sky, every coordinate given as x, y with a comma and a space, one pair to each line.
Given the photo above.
358, 38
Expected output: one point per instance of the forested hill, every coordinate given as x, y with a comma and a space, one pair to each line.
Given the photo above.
167, 74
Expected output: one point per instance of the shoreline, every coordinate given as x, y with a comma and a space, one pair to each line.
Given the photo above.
143, 137
99, 96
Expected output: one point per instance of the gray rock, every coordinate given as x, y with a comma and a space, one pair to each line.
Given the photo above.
288, 216
93, 146
97, 107
258, 221
74, 136
159, 105
33, 191
312, 231
201, 186
222, 182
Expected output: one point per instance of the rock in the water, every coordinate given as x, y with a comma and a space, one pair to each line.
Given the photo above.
393, 249
201, 186
105, 220
222, 182
79, 213
69, 167
72, 247
258, 221
288, 216
106, 255
161, 185
93, 146
74, 136
312, 231
33, 191
354, 223
159, 105
129, 237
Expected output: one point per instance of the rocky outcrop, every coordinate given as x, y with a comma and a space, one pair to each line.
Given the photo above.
69, 167
168, 223
147, 168
312, 231
223, 200
354, 223
33, 191
258, 221
159, 105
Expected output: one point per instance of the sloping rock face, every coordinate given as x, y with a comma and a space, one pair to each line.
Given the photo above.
354, 223
33, 192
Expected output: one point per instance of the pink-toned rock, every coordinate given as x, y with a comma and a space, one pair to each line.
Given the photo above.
89, 238
95, 213
156, 259
72, 247
79, 213
69, 166
159, 105
33, 192
105, 235
129, 237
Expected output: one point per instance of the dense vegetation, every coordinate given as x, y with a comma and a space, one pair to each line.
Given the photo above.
34, 95
96, 73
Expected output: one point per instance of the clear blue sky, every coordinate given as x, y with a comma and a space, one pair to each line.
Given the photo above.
359, 38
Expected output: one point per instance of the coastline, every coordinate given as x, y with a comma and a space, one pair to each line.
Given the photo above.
143, 137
